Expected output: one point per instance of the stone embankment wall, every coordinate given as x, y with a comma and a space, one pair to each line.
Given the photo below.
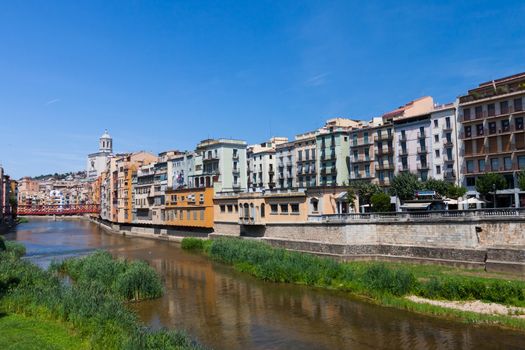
493, 243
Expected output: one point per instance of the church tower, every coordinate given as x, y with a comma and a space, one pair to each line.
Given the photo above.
105, 143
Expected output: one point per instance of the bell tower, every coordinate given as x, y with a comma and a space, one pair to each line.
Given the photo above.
105, 143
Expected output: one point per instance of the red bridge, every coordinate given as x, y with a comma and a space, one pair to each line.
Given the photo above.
54, 209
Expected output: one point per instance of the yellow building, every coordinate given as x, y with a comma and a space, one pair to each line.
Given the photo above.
190, 207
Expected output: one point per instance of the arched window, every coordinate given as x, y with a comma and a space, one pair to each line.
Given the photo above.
252, 211
314, 205
246, 211
262, 210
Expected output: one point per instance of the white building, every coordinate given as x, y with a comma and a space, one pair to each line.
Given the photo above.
96, 162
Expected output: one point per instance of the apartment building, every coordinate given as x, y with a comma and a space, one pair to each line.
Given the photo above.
286, 165
305, 148
221, 164
143, 198
362, 155
333, 151
492, 134
444, 151
181, 170
262, 164
190, 207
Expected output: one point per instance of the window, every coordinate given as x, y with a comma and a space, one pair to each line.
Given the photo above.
356, 156
188, 217
230, 208
471, 181
505, 125
201, 198
507, 161
367, 154
491, 109
438, 169
223, 208
470, 166
294, 207
365, 137
194, 214
284, 208
436, 138
478, 111
274, 208
235, 180
481, 165
447, 122
435, 123
468, 131
315, 204
492, 128
479, 130
466, 114
504, 107
263, 210
202, 214
494, 164
367, 170
403, 135
521, 162
519, 123
300, 155
518, 106
437, 153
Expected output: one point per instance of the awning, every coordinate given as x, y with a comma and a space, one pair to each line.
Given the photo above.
424, 205
341, 196
473, 200
451, 201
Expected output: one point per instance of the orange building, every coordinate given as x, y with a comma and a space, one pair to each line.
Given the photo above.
190, 207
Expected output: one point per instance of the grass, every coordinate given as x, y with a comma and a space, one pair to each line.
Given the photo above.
21, 332
130, 281
93, 305
386, 284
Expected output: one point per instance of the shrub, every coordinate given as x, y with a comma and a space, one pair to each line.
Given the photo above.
191, 243
138, 282
383, 280
18, 249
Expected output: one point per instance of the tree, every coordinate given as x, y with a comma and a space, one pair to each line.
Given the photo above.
521, 180
350, 196
487, 183
441, 187
456, 191
365, 190
405, 185
381, 202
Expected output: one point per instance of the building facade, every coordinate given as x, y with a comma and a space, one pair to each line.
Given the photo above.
96, 162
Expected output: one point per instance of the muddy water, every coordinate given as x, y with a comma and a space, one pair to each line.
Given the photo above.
228, 310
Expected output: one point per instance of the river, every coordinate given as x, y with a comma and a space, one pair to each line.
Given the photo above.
224, 309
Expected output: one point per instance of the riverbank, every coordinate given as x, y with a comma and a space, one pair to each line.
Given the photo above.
93, 307
384, 284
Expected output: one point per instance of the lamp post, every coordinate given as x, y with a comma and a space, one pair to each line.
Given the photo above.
494, 190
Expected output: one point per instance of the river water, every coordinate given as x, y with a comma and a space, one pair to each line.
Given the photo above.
224, 309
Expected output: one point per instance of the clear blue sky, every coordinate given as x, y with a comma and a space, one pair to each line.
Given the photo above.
163, 75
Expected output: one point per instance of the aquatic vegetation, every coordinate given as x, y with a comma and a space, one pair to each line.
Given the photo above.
93, 305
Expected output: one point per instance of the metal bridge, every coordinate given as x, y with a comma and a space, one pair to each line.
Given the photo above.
58, 209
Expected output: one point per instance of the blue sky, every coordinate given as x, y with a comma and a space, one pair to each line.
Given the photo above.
165, 74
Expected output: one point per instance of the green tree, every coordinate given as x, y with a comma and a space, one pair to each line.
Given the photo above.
381, 202
487, 183
405, 185
350, 196
365, 190
441, 187
455, 191
521, 180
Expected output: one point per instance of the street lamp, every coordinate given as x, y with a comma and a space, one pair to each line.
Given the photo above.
494, 198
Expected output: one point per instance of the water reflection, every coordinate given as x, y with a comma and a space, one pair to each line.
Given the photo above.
229, 310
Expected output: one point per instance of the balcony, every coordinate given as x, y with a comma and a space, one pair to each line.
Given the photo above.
384, 137
421, 135
447, 128
383, 166
423, 166
235, 156
236, 171
422, 150
448, 143
403, 152
449, 175
447, 160
384, 151
402, 137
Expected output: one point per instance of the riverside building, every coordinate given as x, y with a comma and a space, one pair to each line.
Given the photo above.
492, 135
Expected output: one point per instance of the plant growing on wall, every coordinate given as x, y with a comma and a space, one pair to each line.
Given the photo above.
405, 186
381, 202
487, 183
